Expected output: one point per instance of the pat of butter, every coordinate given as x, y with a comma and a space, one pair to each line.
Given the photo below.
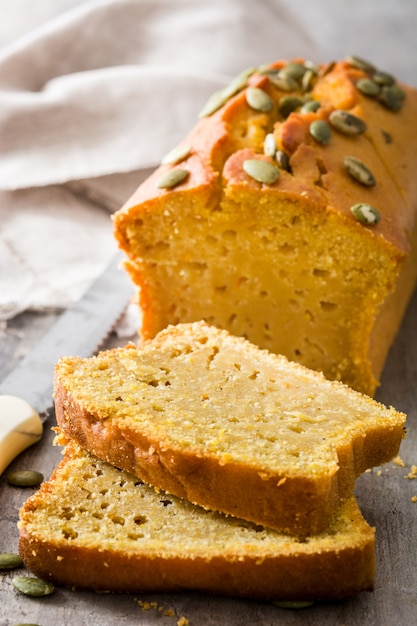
20, 427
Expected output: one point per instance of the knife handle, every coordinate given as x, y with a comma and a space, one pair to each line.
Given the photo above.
20, 427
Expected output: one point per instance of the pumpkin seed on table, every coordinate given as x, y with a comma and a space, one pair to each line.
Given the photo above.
24, 478
359, 171
10, 560
366, 213
320, 131
172, 178
31, 586
346, 122
258, 99
261, 171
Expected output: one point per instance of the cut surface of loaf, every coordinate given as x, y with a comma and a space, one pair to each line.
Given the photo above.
212, 418
281, 259
93, 526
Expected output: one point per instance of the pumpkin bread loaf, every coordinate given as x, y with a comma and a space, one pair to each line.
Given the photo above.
212, 418
93, 526
287, 216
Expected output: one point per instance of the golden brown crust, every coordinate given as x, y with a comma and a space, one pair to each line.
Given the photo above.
57, 545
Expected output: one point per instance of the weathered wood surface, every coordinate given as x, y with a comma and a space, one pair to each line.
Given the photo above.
385, 497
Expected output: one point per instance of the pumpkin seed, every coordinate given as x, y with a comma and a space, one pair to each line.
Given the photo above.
293, 604
392, 97
310, 107
347, 122
258, 99
9, 560
215, 102
359, 63
383, 78
238, 83
172, 178
24, 478
288, 104
178, 154
359, 171
368, 87
294, 70
310, 65
270, 145
307, 80
320, 131
365, 213
283, 83
283, 160
261, 171
31, 586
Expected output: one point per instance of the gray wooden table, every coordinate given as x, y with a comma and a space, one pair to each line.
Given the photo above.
385, 497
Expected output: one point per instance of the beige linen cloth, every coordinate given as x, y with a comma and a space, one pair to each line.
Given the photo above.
93, 100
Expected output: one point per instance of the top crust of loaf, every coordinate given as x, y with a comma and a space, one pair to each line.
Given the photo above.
318, 177
212, 418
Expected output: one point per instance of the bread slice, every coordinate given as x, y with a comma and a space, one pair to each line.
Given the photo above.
213, 419
285, 262
94, 526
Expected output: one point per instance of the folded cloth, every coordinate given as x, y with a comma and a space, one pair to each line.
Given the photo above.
93, 100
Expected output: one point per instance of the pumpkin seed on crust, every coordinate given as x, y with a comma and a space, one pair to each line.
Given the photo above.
172, 178
261, 171
359, 171
258, 99
365, 213
346, 122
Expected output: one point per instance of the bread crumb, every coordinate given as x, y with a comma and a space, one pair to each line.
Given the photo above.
183, 621
413, 473
414, 499
398, 461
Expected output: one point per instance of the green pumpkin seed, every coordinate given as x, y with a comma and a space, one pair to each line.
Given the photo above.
313, 67
320, 131
294, 70
270, 145
359, 171
293, 604
360, 64
347, 122
307, 80
261, 171
288, 104
283, 160
310, 107
366, 213
31, 586
392, 97
24, 478
172, 178
238, 83
215, 102
178, 154
9, 560
258, 99
368, 87
383, 78
283, 83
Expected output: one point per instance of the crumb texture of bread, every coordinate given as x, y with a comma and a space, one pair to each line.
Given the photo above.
285, 263
93, 526
212, 418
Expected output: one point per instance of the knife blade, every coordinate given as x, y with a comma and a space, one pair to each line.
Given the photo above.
26, 393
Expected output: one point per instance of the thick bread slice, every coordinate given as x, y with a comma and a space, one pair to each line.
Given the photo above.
94, 526
212, 418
